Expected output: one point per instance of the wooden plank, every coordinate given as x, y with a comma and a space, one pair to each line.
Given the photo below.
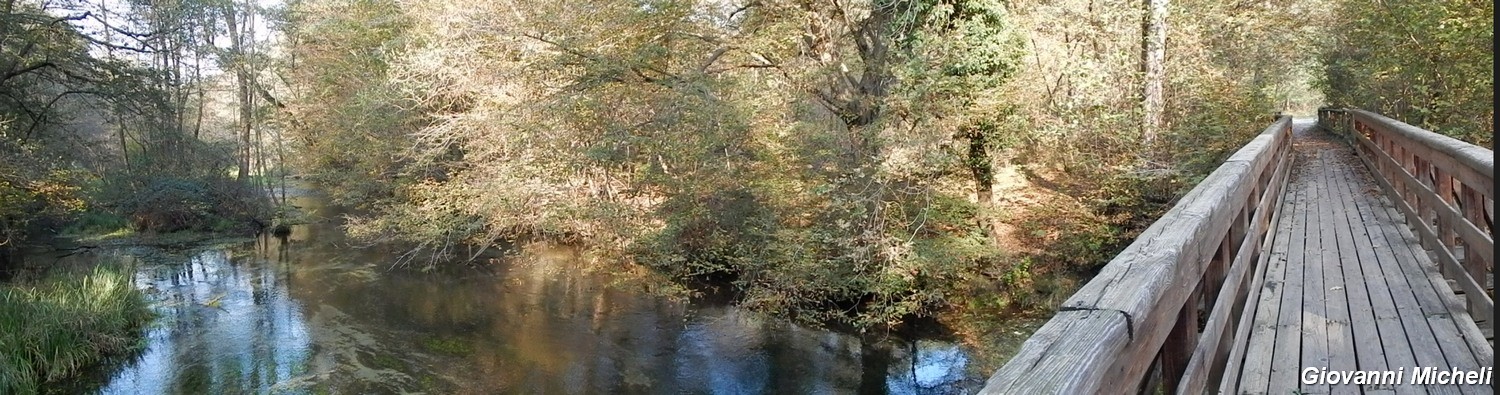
1150, 285
1286, 356
1336, 243
1456, 350
1314, 324
1445, 191
1372, 290
1235, 316
1477, 266
1177, 351
1471, 276
1055, 338
1258, 344
1407, 287
1443, 312
1443, 185
1163, 265
1146, 286
1405, 305
1226, 308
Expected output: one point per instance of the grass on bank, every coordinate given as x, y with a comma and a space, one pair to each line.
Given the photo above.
57, 327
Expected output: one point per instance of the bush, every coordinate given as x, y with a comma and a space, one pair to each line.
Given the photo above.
183, 204
53, 329
913, 259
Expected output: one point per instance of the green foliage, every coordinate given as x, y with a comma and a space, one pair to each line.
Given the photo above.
821, 158
33, 192
1426, 63
55, 328
97, 222
354, 119
172, 205
1072, 242
445, 345
1077, 97
181, 186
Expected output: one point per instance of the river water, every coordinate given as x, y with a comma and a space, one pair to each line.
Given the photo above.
313, 315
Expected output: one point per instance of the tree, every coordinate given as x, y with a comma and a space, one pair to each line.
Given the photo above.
688, 137
59, 105
1154, 65
1426, 63
347, 117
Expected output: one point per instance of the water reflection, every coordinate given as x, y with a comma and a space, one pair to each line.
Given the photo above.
223, 329
310, 315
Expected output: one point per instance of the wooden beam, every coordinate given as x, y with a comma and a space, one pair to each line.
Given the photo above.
1466, 230
1470, 164
1229, 304
1108, 333
1445, 257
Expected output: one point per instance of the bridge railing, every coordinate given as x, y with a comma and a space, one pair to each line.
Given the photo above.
1138, 325
1444, 188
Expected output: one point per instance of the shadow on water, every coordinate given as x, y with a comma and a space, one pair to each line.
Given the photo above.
308, 314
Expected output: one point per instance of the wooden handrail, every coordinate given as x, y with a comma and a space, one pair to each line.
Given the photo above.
1442, 186
1140, 313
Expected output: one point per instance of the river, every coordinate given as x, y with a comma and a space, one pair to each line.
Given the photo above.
313, 314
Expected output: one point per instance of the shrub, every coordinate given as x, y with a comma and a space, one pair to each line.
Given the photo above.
199, 204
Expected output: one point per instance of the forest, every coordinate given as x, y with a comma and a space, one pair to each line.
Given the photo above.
852, 163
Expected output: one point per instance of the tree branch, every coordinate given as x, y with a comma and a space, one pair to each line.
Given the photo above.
24, 70
601, 60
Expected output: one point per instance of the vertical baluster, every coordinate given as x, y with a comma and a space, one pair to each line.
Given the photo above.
1213, 278
1177, 351
1447, 237
1394, 151
1387, 170
1472, 204
1409, 165
1423, 208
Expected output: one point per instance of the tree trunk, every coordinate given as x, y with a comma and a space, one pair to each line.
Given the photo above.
1154, 65
124, 149
242, 89
984, 180
202, 100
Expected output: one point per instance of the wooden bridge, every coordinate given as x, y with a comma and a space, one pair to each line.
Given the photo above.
1358, 243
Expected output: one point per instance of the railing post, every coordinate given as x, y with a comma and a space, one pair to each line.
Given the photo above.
1422, 171
1472, 204
1447, 236
1214, 275
1178, 349
1444, 187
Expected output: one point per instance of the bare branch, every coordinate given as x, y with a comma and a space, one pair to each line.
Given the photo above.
141, 49
24, 70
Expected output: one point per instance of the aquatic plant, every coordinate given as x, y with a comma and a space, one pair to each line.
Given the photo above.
54, 328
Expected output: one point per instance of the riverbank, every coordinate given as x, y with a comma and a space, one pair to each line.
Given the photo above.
124, 238
55, 328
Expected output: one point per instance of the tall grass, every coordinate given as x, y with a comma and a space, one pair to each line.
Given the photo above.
52, 329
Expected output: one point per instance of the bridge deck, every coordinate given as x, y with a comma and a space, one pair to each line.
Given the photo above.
1347, 287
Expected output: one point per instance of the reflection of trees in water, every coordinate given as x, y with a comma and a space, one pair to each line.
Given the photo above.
248, 319
542, 326
225, 326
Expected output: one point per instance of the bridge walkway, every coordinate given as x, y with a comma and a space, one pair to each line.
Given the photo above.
1348, 287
